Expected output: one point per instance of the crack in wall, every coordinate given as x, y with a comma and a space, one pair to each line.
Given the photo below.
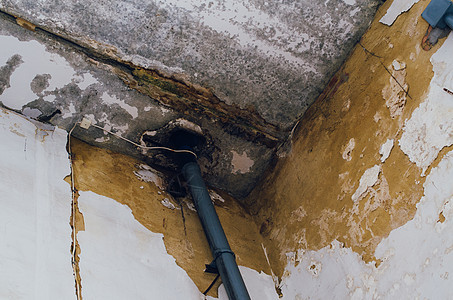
75, 247
75, 222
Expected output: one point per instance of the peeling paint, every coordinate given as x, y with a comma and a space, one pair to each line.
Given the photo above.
397, 8
35, 211
112, 234
347, 152
102, 139
148, 174
109, 99
126, 204
385, 149
395, 93
85, 80
413, 260
215, 196
298, 214
168, 204
249, 53
36, 60
236, 89
31, 112
350, 2
368, 179
430, 127
69, 112
110, 126
241, 163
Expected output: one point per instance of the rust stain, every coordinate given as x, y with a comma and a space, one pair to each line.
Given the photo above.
196, 101
25, 24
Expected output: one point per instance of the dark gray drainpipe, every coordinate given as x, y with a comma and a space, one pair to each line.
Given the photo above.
224, 258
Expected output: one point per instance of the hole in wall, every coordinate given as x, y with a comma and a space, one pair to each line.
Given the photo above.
174, 135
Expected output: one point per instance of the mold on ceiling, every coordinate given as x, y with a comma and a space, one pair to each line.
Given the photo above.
243, 72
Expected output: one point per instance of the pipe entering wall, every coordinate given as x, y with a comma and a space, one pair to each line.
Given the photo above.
224, 259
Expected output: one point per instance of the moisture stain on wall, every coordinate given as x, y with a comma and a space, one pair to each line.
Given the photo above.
324, 168
125, 180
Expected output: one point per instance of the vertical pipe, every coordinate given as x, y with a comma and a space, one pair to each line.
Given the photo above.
221, 251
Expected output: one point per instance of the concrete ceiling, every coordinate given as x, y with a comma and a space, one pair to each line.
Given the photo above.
241, 72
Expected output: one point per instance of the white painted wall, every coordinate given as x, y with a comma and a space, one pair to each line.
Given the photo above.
35, 207
397, 7
121, 259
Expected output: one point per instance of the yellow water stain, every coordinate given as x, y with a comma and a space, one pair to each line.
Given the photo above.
112, 175
13, 130
322, 172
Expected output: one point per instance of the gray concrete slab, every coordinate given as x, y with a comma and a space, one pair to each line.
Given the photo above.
243, 71
51, 81
271, 57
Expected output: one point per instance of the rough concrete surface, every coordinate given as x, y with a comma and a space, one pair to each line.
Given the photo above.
274, 57
48, 80
245, 72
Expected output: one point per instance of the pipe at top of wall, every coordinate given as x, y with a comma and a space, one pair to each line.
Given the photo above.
224, 258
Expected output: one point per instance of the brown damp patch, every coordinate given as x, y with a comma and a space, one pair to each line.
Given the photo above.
112, 175
16, 132
441, 217
321, 173
184, 96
